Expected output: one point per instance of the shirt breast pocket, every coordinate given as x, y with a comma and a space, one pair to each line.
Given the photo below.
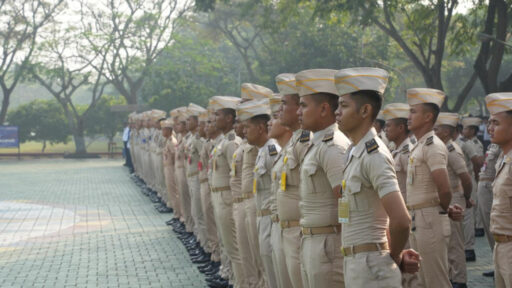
309, 181
354, 189
263, 180
292, 175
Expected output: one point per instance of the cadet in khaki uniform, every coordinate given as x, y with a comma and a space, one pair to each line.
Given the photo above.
485, 180
371, 200
180, 170
397, 132
222, 199
245, 217
461, 187
168, 163
251, 92
428, 188
282, 135
321, 175
396, 115
256, 114
288, 194
192, 149
473, 151
212, 241
500, 128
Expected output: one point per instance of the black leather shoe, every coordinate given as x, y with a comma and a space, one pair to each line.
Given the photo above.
479, 232
459, 285
219, 284
209, 271
470, 255
488, 274
215, 277
204, 266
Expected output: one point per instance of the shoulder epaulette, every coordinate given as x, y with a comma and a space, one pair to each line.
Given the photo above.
304, 137
405, 149
413, 140
463, 139
450, 147
231, 136
328, 137
430, 140
371, 146
272, 151
475, 141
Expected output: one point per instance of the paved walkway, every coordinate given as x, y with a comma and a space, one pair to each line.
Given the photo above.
83, 223
68, 223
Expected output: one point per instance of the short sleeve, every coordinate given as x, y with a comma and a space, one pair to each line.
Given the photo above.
381, 173
469, 150
333, 163
436, 156
457, 162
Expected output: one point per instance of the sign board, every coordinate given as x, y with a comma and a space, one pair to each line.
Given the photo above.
9, 137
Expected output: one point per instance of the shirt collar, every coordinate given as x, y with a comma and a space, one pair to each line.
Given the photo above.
361, 145
318, 136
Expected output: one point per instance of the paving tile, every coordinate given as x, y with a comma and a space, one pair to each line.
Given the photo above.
83, 223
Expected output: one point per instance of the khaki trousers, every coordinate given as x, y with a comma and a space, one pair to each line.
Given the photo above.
371, 270
469, 221
223, 211
484, 206
456, 255
196, 209
290, 242
283, 279
503, 265
249, 264
212, 239
184, 198
252, 232
322, 261
431, 239
172, 191
264, 232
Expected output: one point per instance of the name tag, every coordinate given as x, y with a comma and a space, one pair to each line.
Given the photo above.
343, 210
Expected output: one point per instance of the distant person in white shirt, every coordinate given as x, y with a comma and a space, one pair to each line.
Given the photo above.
126, 148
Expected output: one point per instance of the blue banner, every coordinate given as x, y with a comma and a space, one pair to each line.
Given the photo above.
9, 137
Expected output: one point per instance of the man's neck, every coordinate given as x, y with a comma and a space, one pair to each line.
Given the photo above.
324, 125
262, 141
421, 131
227, 129
284, 138
506, 147
360, 132
400, 139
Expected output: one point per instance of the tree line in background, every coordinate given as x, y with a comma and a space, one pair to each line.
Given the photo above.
168, 53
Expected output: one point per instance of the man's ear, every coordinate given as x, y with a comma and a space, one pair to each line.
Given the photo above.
366, 111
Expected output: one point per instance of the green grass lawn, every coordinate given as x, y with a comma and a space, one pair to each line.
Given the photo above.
35, 147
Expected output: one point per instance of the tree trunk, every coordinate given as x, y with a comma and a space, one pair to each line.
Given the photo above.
5, 105
44, 146
78, 137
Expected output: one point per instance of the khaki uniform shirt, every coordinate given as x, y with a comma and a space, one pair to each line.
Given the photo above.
401, 158
222, 157
204, 156
321, 171
236, 170
501, 211
209, 168
488, 171
456, 166
248, 164
429, 154
470, 148
192, 149
169, 151
180, 152
369, 175
289, 163
262, 174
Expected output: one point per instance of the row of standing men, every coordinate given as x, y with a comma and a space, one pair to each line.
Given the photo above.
298, 189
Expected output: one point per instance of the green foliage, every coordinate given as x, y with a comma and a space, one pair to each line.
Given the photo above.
40, 120
102, 121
